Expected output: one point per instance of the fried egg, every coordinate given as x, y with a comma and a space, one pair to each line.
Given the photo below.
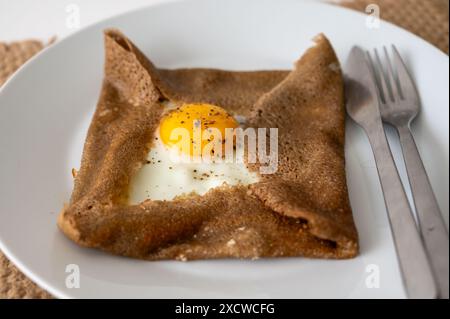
173, 169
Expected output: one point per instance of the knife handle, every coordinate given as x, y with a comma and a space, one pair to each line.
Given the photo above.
432, 227
413, 261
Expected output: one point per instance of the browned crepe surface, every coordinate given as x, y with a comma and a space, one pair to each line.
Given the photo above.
302, 210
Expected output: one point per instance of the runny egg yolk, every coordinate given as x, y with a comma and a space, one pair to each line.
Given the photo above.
193, 118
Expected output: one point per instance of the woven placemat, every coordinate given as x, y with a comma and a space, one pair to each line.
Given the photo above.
428, 19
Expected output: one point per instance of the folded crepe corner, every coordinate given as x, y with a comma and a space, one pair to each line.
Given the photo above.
301, 210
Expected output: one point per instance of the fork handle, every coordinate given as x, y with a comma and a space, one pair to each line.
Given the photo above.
415, 268
432, 227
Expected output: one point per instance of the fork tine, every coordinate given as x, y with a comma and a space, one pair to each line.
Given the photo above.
394, 85
376, 79
406, 82
382, 78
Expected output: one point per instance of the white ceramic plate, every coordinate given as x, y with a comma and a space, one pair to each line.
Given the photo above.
46, 107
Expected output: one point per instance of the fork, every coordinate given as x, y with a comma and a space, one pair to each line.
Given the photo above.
399, 105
